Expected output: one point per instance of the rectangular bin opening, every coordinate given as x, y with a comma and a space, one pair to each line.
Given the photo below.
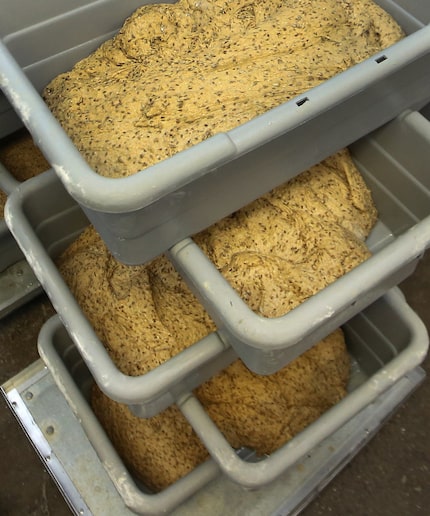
302, 101
381, 59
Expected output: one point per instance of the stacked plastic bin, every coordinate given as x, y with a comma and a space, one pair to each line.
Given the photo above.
374, 108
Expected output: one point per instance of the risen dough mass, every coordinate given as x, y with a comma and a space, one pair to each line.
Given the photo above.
179, 73
174, 75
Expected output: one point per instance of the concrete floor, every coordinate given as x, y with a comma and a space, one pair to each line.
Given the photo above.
390, 476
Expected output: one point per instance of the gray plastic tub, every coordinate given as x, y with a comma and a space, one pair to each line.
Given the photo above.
45, 219
145, 214
395, 164
385, 342
18, 284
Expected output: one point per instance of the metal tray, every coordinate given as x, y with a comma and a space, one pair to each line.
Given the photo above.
143, 215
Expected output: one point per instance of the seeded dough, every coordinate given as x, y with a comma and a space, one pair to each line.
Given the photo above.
276, 252
175, 75
179, 73
261, 412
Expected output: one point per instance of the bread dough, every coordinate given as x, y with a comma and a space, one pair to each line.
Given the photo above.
276, 252
178, 73
254, 411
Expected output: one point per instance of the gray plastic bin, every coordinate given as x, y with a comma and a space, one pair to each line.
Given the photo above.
18, 284
395, 163
385, 342
145, 214
45, 219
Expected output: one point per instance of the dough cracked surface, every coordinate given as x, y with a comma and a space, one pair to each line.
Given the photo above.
173, 76
179, 73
